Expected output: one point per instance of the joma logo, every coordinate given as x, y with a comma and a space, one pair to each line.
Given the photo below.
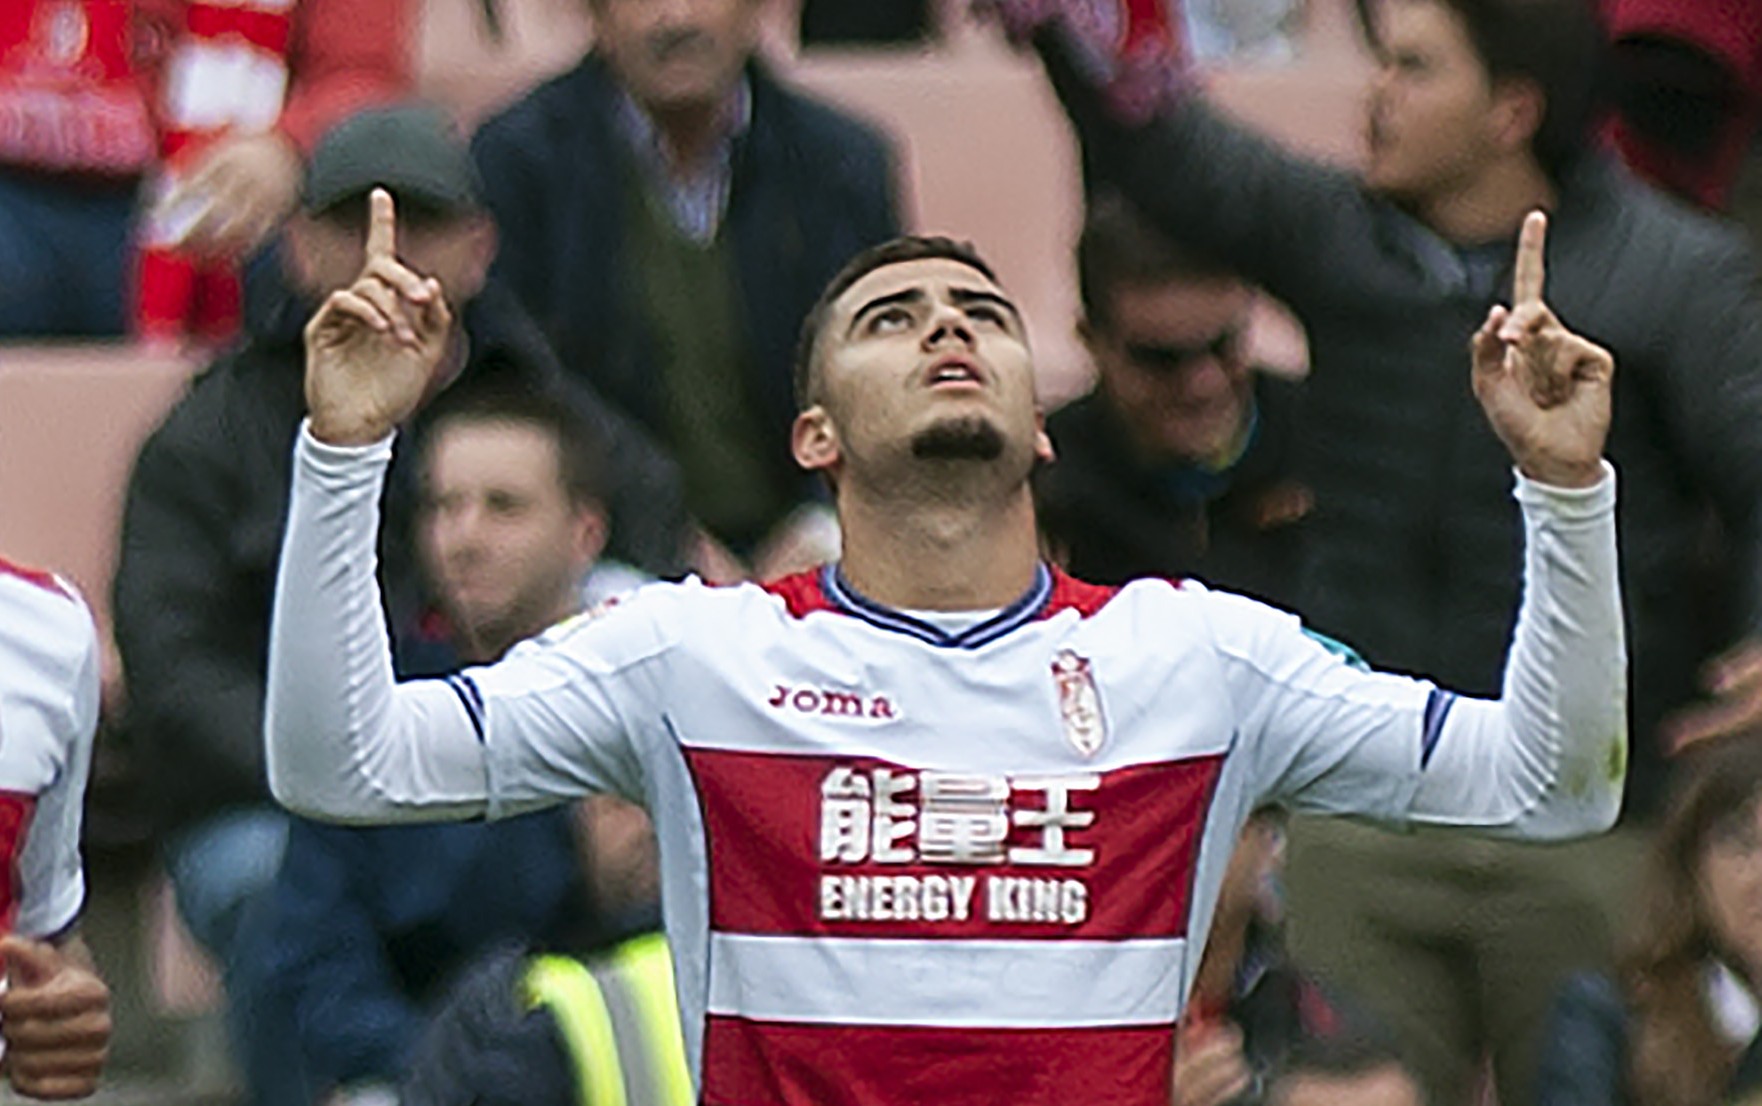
830, 702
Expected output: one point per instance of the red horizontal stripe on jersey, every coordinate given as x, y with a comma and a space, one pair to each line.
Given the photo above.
36, 577
763, 822
748, 1063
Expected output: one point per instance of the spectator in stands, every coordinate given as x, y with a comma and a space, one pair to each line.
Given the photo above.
1178, 464
1349, 1071
246, 88
1677, 1025
367, 923
206, 503
1479, 112
1250, 1007
85, 88
670, 211
76, 133
511, 1032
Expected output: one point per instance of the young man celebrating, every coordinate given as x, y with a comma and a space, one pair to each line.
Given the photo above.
937, 823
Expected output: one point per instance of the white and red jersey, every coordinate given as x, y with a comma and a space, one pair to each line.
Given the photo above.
48, 715
908, 863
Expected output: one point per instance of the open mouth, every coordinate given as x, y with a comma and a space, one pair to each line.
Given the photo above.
954, 372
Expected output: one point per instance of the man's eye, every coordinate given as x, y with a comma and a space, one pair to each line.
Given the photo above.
986, 313
889, 319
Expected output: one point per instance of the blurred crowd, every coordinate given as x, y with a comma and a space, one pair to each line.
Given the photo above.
631, 245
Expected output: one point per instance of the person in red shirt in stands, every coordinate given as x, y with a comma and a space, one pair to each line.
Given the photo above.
95, 95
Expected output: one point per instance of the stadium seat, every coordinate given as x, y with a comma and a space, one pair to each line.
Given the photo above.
71, 420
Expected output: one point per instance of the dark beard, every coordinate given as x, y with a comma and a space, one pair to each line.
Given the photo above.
960, 439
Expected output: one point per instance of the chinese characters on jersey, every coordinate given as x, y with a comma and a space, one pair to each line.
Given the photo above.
880, 817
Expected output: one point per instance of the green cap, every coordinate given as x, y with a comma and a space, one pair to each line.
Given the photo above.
412, 150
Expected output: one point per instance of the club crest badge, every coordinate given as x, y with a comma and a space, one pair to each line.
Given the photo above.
1079, 702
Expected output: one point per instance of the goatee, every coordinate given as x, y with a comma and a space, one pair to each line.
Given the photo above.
969, 438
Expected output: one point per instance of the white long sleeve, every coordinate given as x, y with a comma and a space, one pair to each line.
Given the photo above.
345, 742
1546, 760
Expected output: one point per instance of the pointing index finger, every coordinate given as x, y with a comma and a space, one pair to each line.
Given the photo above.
382, 226
1528, 278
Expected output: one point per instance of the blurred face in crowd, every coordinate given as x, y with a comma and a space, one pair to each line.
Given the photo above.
326, 251
923, 360
1388, 1086
1731, 886
676, 55
1435, 119
503, 542
1171, 360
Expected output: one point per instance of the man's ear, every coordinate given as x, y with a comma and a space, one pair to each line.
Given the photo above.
1042, 440
1519, 106
485, 241
591, 532
296, 251
813, 440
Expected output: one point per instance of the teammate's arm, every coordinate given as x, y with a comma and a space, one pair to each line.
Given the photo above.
345, 742
55, 1009
54, 1017
1548, 758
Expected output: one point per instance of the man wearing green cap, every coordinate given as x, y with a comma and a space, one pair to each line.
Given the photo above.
206, 502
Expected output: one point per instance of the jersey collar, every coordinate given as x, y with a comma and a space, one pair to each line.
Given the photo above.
1026, 608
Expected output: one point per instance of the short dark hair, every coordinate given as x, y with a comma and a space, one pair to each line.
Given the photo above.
1119, 246
581, 449
1560, 46
894, 252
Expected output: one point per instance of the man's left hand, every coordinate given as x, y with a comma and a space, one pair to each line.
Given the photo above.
1545, 389
244, 187
55, 1018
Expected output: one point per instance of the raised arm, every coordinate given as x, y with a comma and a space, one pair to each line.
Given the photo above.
1281, 220
1548, 758
344, 741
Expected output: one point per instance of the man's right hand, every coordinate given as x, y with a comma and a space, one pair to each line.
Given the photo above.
374, 347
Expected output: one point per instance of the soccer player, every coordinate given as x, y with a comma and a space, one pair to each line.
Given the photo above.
938, 823
54, 1008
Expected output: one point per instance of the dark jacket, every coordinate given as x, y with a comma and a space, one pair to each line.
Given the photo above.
1585, 1058
484, 1047
1413, 550
202, 531
368, 925
811, 187
1116, 518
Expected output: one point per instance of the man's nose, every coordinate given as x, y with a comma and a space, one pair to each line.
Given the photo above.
948, 324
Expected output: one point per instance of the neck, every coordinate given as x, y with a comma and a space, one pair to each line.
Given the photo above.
1224, 949
943, 554
1491, 205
